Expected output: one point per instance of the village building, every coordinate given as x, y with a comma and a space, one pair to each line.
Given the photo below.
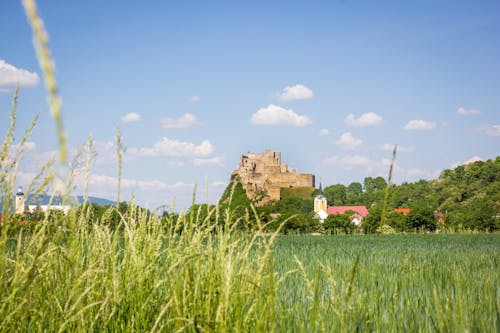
357, 216
22, 208
320, 205
322, 211
403, 210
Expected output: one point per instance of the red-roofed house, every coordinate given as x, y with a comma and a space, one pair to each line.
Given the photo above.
360, 212
403, 211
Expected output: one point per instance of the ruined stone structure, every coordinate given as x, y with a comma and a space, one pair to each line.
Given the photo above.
263, 175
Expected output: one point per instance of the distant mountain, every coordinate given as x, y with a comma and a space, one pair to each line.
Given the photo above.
44, 199
98, 201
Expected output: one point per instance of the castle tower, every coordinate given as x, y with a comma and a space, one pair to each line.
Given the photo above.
320, 205
20, 201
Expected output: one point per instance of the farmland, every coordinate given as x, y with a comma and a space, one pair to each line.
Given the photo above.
148, 276
401, 282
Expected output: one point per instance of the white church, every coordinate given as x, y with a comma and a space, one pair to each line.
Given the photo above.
320, 206
22, 208
322, 211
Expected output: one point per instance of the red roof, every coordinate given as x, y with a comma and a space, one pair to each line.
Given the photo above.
361, 210
404, 211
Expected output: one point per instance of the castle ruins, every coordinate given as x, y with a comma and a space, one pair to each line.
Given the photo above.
263, 175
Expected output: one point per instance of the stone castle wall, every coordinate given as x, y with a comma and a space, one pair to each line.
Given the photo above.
262, 175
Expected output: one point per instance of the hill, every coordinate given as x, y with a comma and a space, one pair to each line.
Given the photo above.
45, 199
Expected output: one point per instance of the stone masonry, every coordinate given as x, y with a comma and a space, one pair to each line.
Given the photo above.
263, 175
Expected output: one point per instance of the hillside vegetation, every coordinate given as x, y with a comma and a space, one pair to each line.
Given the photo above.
466, 197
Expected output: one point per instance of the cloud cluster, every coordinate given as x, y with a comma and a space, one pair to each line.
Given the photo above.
324, 132
185, 121
469, 161
296, 92
274, 115
131, 117
347, 161
377, 167
468, 112
365, 120
490, 130
419, 125
108, 181
11, 75
174, 148
348, 142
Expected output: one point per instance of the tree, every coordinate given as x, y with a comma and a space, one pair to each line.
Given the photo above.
396, 220
372, 221
298, 223
339, 223
335, 194
421, 216
374, 184
354, 193
355, 188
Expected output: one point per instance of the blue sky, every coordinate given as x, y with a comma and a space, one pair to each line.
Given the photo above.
195, 84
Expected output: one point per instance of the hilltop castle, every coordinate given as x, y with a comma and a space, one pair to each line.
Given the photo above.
263, 175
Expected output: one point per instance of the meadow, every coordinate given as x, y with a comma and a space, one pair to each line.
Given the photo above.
390, 283
196, 277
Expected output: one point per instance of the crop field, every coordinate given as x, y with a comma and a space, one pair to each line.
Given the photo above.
66, 275
398, 283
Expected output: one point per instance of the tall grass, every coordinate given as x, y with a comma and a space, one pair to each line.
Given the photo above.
148, 275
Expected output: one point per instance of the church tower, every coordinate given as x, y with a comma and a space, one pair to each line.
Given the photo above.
20, 201
320, 205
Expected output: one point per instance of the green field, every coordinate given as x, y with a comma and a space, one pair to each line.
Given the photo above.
402, 283
146, 276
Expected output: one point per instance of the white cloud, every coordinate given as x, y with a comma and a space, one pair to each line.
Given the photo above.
347, 161
28, 146
174, 148
218, 184
194, 99
419, 125
129, 183
490, 130
324, 132
468, 112
469, 161
214, 161
131, 117
295, 92
365, 120
187, 120
11, 75
402, 173
473, 159
274, 115
348, 142
400, 149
